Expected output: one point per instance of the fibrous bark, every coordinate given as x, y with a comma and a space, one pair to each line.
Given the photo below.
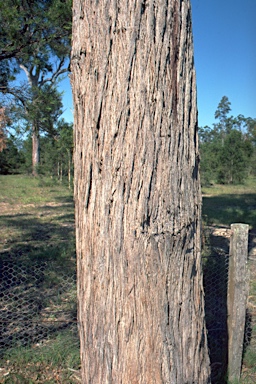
137, 193
35, 149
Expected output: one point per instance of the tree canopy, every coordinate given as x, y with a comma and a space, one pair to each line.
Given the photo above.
228, 148
35, 38
29, 26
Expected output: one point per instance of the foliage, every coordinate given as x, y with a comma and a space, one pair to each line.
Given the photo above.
3, 123
56, 152
11, 158
223, 109
228, 148
234, 158
44, 106
35, 39
29, 26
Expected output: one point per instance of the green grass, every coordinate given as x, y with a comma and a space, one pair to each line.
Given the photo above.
37, 224
20, 189
38, 241
57, 357
227, 204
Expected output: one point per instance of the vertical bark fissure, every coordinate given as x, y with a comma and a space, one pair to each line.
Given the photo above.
137, 194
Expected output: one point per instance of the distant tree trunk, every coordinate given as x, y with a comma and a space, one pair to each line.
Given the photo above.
137, 193
69, 169
35, 150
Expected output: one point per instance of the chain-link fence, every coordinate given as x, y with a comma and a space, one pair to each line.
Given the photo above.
249, 361
216, 273
37, 300
215, 268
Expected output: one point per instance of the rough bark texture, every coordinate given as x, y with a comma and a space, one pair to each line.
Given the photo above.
35, 149
137, 193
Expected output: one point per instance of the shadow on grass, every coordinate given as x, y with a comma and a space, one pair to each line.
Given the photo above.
37, 277
48, 224
230, 208
65, 199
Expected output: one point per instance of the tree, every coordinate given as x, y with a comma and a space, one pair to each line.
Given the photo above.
11, 158
137, 193
65, 150
227, 149
234, 158
57, 151
27, 25
3, 123
209, 145
35, 110
224, 107
36, 41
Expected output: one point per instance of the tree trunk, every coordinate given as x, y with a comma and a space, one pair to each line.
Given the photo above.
69, 169
137, 193
35, 150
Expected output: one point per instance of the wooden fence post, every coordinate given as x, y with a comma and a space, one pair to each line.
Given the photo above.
238, 288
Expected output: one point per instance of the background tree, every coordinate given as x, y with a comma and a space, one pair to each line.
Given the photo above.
137, 193
57, 151
65, 150
234, 158
3, 124
28, 25
223, 109
210, 145
41, 51
251, 135
227, 149
12, 159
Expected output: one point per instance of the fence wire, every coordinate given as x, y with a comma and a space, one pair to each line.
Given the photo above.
249, 362
215, 263
215, 273
37, 300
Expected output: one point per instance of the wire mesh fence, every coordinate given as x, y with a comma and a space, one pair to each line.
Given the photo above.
249, 362
37, 300
215, 273
215, 262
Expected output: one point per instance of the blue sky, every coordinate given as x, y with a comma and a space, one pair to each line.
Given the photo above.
225, 58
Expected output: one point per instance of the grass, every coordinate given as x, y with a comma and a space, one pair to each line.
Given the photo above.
222, 206
55, 361
37, 257
37, 226
227, 204
20, 189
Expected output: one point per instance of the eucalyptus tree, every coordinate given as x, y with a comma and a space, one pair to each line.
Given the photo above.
137, 193
228, 148
57, 152
25, 25
35, 39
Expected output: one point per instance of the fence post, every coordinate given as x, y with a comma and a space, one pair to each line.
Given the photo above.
238, 287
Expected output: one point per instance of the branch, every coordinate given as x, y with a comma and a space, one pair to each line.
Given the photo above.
16, 92
17, 52
59, 71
